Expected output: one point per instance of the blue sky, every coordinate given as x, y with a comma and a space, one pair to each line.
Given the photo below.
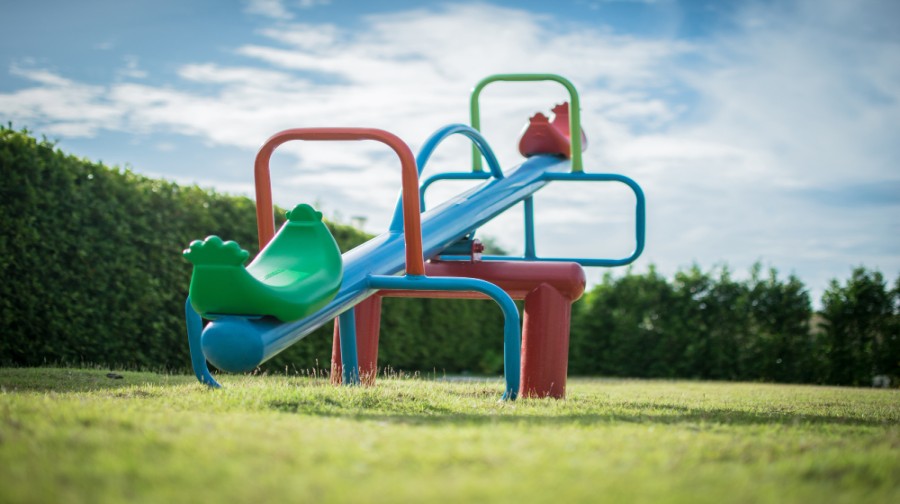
760, 130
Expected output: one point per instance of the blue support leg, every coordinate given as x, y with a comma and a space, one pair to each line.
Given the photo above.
349, 356
530, 252
511, 337
198, 360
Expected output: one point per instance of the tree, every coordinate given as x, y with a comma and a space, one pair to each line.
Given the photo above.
618, 328
780, 312
861, 330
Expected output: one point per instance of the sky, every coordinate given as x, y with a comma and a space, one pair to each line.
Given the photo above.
760, 131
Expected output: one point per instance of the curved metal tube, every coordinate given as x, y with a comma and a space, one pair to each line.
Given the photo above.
479, 143
384, 254
415, 263
640, 226
511, 339
640, 215
195, 331
448, 176
574, 112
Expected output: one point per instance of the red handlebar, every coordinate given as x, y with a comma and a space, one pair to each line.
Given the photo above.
265, 218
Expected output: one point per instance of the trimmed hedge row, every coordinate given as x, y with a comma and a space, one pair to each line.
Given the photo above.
92, 272
91, 258
708, 325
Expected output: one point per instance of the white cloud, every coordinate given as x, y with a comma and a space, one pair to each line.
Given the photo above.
106, 45
274, 9
305, 36
40, 76
726, 135
309, 4
60, 106
803, 98
132, 69
278, 9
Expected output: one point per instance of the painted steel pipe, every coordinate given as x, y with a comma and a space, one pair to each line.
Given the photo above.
385, 255
479, 143
367, 316
518, 279
545, 343
548, 288
265, 220
349, 356
511, 342
195, 331
382, 255
574, 111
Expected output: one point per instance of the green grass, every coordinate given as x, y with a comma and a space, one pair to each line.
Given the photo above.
70, 435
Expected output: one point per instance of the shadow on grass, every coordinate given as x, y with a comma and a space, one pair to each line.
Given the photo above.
62, 380
404, 408
633, 412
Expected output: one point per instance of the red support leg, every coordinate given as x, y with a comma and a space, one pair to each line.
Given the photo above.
545, 343
549, 289
368, 327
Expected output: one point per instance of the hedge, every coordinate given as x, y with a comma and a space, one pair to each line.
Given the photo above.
90, 258
707, 325
92, 271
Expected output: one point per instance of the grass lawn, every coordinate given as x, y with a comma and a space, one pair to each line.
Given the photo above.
73, 435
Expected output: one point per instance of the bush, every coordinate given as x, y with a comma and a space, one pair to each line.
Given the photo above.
93, 273
861, 337
701, 325
91, 259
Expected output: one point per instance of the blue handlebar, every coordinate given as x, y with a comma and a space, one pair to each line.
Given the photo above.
425, 154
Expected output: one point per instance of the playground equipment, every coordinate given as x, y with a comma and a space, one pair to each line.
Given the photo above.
299, 282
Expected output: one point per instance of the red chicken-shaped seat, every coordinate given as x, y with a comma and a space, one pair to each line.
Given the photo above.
545, 136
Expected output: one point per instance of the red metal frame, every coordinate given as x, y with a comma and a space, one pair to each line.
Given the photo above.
265, 219
548, 288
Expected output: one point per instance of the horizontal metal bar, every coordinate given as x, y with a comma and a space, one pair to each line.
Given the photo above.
511, 337
478, 142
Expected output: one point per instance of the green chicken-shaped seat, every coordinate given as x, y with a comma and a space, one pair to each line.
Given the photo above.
297, 273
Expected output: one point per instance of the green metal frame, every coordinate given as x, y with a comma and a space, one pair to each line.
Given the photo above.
574, 112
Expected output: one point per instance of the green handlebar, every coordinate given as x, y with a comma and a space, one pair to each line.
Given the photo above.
574, 112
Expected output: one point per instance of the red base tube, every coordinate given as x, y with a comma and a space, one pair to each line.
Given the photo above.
548, 288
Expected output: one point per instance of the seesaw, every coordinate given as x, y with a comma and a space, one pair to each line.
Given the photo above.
299, 280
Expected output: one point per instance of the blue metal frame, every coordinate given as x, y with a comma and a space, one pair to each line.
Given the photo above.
383, 255
198, 360
349, 355
530, 252
427, 150
640, 216
232, 342
530, 249
482, 175
511, 336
